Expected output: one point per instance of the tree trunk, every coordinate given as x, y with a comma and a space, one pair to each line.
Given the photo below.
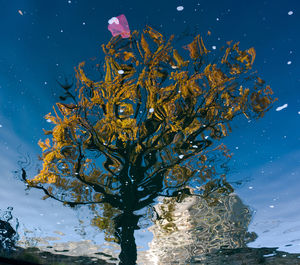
127, 224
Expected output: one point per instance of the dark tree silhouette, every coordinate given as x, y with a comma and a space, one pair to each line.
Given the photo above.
8, 234
151, 124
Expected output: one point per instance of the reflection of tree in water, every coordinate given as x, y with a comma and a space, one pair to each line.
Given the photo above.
194, 226
146, 130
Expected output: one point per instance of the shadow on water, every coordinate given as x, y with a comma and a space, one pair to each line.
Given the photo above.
8, 230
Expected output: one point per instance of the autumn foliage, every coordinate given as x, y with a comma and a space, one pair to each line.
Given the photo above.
147, 129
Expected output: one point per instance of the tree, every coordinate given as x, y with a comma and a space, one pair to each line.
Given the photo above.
151, 123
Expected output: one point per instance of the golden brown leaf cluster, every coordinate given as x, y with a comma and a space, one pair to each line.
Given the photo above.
152, 101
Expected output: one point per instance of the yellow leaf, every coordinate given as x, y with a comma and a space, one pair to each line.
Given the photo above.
155, 35
44, 145
224, 59
108, 77
252, 52
209, 99
223, 128
128, 55
138, 148
178, 58
145, 47
193, 49
47, 132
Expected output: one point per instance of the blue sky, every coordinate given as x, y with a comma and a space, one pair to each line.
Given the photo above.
52, 37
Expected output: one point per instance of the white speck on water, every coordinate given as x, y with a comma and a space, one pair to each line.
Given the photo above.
45, 83
195, 146
290, 13
61, 30
83, 23
174, 67
271, 206
151, 110
206, 137
1, 126
69, 1
121, 110
281, 107
180, 8
120, 72
181, 156
236, 147
214, 47
250, 188
269, 255
299, 112
48, 120
289, 62
217, 19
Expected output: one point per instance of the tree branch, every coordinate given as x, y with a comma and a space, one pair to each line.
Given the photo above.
72, 204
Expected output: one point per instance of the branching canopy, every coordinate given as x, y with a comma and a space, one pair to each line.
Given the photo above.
150, 122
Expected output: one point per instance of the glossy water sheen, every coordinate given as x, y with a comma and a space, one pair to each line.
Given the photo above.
41, 43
